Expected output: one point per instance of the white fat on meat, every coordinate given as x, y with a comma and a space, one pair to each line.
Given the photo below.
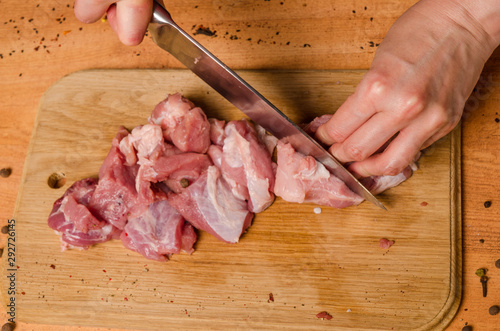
146, 140
158, 232
209, 205
246, 165
269, 140
217, 134
379, 184
301, 178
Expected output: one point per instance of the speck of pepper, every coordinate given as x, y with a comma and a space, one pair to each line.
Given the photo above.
467, 328
5, 172
52, 266
494, 310
497, 263
497, 119
487, 204
5, 229
307, 45
271, 298
481, 241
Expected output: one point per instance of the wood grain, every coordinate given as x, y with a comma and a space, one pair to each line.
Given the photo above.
310, 263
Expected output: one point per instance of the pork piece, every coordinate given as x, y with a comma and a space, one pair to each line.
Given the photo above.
183, 124
145, 142
217, 134
301, 179
178, 170
313, 126
116, 197
385, 243
246, 165
158, 232
215, 153
209, 205
73, 221
269, 140
379, 184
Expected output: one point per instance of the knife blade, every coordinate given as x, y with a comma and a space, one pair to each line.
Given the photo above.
170, 37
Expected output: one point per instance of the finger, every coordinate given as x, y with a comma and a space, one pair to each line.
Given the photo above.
132, 19
349, 117
368, 139
397, 156
111, 16
438, 135
90, 11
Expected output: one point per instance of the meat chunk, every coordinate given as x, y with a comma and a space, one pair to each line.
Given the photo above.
379, 184
73, 221
209, 205
246, 165
301, 178
116, 196
217, 134
175, 168
145, 142
183, 124
158, 232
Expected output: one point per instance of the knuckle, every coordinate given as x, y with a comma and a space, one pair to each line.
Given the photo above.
336, 135
354, 153
376, 86
412, 105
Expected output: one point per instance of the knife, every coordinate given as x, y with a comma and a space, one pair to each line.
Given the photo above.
169, 36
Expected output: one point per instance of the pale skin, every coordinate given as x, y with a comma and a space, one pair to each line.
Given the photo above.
413, 94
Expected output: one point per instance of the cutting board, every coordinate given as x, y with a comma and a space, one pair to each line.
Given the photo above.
291, 264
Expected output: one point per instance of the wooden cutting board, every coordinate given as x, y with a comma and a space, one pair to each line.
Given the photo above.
291, 265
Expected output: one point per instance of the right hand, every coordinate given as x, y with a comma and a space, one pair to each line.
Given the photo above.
129, 19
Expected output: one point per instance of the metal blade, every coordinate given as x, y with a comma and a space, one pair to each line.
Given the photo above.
173, 39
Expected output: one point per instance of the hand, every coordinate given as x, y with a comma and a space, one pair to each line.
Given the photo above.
129, 19
415, 90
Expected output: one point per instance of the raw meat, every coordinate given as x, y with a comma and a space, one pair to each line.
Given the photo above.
301, 179
385, 243
246, 165
209, 205
174, 168
158, 232
217, 134
72, 220
379, 184
116, 197
184, 125
183, 171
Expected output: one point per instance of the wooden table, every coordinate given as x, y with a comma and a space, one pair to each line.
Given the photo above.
41, 41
